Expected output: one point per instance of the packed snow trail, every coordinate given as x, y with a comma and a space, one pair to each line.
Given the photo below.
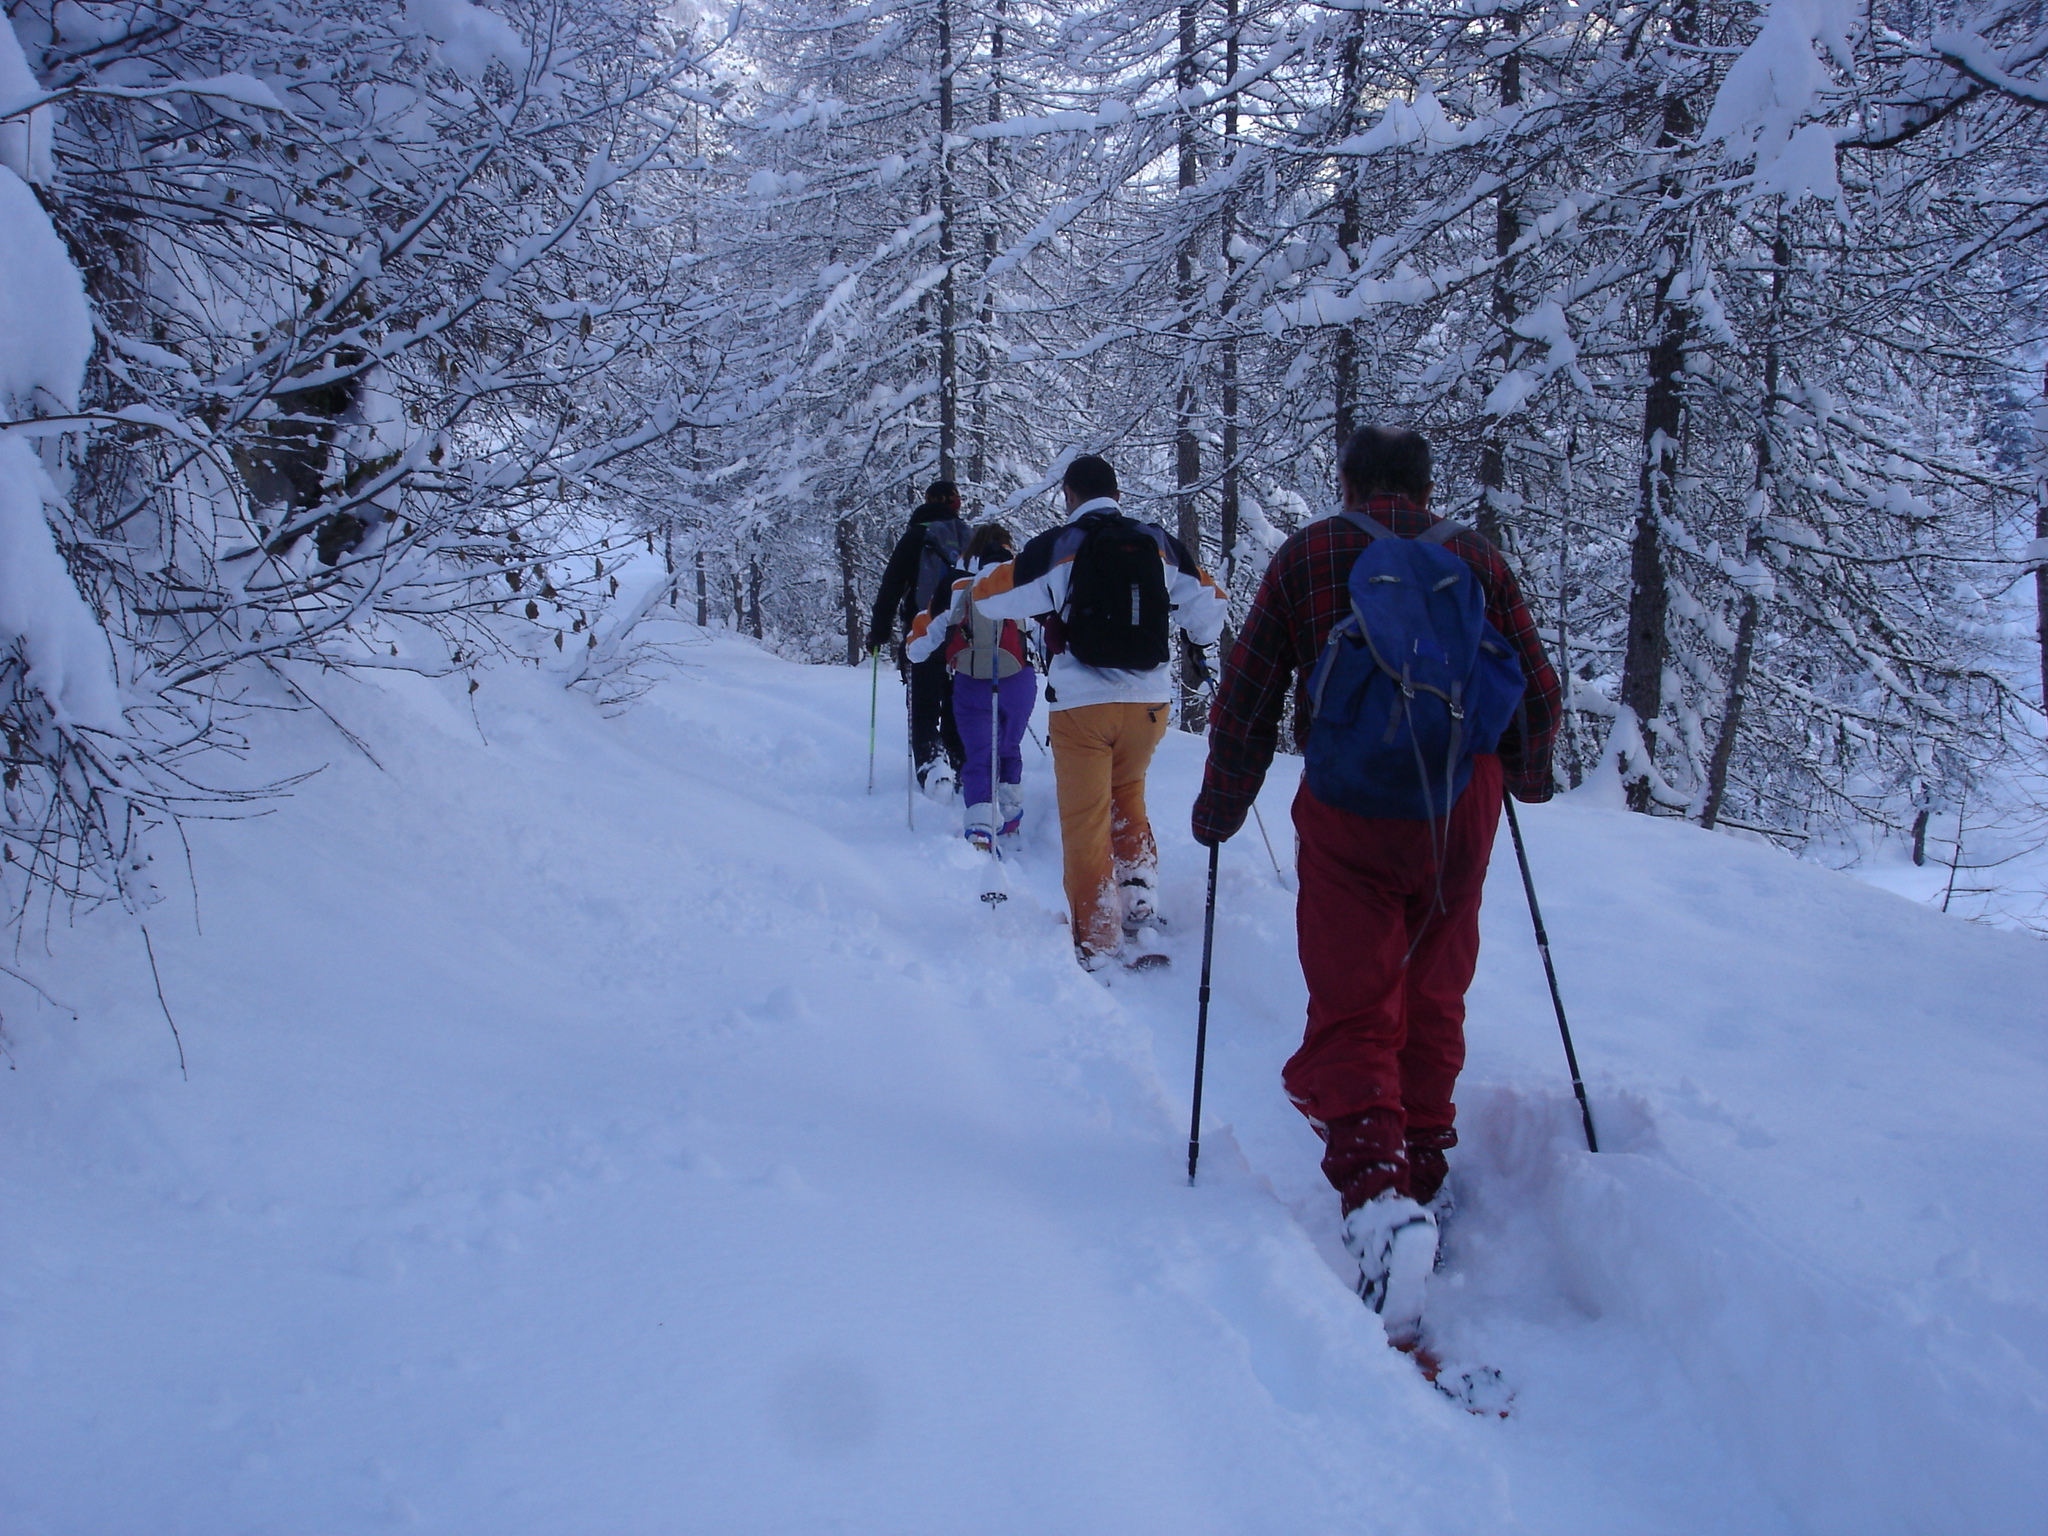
631, 1126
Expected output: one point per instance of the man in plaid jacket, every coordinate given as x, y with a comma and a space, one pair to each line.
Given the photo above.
1388, 940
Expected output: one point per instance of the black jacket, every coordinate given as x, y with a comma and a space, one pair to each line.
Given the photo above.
896, 603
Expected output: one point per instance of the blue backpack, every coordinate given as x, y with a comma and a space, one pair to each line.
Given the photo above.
1411, 685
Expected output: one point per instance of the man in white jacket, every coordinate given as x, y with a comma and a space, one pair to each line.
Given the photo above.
1106, 720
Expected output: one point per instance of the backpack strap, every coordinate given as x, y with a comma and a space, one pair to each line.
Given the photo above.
1441, 531
1371, 525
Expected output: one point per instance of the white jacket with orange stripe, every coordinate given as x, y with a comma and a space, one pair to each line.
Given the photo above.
1036, 583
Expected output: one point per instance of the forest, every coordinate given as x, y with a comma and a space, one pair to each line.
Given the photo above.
439, 337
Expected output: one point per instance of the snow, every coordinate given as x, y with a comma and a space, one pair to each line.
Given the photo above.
45, 339
1779, 82
628, 1124
41, 612
24, 138
45, 328
469, 38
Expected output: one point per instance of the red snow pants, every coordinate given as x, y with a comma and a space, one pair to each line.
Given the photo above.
1388, 951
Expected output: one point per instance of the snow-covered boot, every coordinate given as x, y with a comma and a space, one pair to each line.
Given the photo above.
939, 782
1010, 806
1138, 891
1394, 1241
1093, 960
981, 825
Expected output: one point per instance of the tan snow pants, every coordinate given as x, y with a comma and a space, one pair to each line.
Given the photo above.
1099, 756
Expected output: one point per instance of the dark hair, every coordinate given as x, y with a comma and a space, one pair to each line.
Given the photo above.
940, 491
983, 537
1387, 461
1090, 476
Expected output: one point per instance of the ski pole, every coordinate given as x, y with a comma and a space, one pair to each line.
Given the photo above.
874, 704
1571, 1056
1202, 1015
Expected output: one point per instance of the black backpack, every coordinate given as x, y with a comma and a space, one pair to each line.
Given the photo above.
1118, 613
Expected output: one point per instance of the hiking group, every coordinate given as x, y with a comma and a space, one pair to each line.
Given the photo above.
1422, 697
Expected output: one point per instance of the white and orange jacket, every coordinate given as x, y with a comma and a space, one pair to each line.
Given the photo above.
947, 627
1036, 583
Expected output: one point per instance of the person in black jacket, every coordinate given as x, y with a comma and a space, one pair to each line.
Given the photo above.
922, 565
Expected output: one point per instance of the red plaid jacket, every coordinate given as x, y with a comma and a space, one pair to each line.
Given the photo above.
1305, 593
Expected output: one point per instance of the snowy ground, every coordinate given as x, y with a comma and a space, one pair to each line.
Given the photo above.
630, 1126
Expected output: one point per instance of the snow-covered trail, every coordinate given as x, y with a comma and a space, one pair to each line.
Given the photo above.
631, 1126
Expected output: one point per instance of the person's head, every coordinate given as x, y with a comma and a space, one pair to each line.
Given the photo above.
990, 544
1086, 478
1386, 461
942, 493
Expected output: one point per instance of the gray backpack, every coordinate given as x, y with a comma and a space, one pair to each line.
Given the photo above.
978, 649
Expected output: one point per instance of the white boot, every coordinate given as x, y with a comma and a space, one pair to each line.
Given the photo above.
981, 824
1010, 805
1394, 1241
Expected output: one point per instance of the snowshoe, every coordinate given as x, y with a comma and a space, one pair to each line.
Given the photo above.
1441, 1207
1478, 1389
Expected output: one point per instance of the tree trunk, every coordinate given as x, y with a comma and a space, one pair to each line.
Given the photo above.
1648, 639
1346, 362
1227, 513
703, 592
1752, 601
846, 534
1574, 759
1187, 447
991, 244
754, 626
2041, 529
1507, 229
949, 341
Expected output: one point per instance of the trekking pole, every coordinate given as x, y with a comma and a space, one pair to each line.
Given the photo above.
874, 704
995, 896
1202, 1014
1571, 1056
1209, 681
909, 754
1277, 875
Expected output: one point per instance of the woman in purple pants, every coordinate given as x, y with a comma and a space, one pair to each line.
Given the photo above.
994, 690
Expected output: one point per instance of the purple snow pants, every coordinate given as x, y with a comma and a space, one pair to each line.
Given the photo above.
1018, 695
